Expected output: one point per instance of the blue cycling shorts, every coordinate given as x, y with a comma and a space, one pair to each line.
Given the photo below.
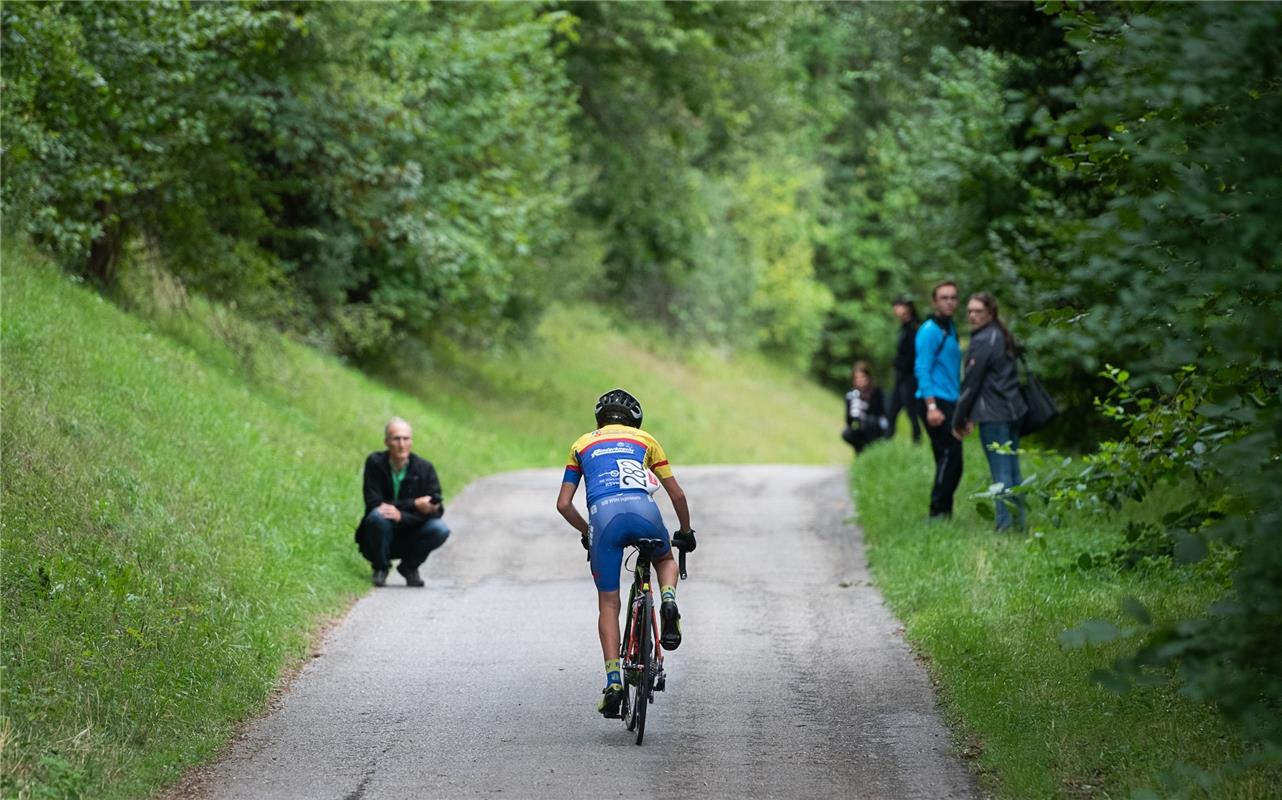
616, 522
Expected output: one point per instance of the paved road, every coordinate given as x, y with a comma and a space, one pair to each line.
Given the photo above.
792, 681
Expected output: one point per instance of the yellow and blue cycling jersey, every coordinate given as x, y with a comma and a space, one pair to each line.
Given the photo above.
614, 459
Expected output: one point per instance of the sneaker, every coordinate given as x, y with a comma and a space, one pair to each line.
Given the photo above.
671, 620
380, 577
412, 578
611, 699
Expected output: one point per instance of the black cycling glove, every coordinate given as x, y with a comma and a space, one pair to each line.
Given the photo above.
684, 540
586, 540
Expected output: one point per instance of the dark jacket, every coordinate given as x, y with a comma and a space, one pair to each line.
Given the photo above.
990, 390
420, 481
906, 352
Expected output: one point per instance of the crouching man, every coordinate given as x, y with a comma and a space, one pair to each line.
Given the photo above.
402, 508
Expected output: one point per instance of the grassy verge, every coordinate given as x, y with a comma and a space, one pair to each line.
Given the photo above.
179, 495
985, 610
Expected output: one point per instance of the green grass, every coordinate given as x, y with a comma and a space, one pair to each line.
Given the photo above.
179, 493
985, 611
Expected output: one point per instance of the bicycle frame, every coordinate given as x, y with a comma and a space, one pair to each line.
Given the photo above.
641, 669
631, 643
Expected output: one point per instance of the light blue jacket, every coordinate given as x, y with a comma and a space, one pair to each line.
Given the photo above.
937, 377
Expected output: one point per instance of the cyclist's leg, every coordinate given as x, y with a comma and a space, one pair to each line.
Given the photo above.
666, 569
608, 630
607, 625
606, 557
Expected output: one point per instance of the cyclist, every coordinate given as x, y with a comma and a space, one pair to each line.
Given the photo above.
614, 459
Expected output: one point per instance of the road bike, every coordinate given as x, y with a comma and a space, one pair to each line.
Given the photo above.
640, 656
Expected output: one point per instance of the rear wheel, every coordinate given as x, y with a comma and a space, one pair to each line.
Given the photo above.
626, 658
645, 659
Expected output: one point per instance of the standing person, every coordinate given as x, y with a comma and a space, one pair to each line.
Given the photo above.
938, 370
990, 397
403, 507
904, 393
865, 410
613, 460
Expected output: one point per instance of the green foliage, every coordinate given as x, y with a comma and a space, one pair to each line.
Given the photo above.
988, 613
755, 283
1230, 655
446, 216
361, 173
1168, 440
700, 171
1111, 170
113, 130
368, 174
916, 162
1165, 124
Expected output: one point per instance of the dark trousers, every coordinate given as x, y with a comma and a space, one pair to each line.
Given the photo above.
382, 540
902, 397
948, 460
859, 438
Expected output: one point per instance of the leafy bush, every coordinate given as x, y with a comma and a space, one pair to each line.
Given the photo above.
361, 174
1166, 122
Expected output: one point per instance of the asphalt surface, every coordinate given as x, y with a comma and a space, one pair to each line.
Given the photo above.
792, 682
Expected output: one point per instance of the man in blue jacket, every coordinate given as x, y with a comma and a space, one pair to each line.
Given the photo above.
938, 371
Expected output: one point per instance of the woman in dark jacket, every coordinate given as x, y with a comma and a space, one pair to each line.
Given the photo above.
990, 397
865, 410
903, 394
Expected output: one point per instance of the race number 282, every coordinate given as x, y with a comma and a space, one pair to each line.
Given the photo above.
631, 474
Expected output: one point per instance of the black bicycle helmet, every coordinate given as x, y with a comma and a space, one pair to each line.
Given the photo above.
619, 408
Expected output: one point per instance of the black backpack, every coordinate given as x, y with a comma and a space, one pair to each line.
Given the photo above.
1041, 406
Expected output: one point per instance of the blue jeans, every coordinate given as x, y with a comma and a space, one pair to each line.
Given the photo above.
381, 540
1005, 468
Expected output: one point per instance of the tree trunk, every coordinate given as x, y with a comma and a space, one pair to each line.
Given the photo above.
104, 251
